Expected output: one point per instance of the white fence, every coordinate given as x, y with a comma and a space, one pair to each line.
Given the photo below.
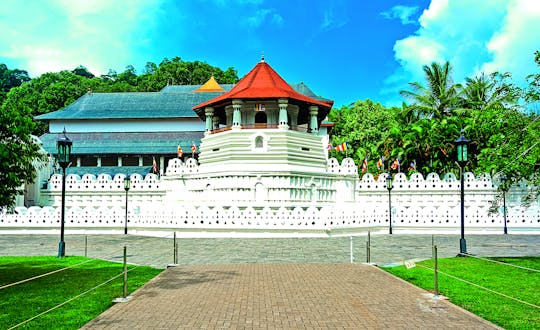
298, 218
416, 203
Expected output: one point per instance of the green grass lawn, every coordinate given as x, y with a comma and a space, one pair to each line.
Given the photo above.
518, 283
23, 301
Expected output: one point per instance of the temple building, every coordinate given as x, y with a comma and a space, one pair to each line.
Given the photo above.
260, 162
127, 133
124, 132
261, 147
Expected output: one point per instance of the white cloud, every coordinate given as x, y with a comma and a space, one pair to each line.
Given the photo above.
263, 16
475, 36
514, 44
62, 34
332, 20
403, 13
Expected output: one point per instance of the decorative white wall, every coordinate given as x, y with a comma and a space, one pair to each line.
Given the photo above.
181, 199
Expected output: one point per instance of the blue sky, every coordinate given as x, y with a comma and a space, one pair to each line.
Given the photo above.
344, 50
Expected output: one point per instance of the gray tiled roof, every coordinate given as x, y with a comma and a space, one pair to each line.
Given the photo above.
131, 106
175, 101
303, 89
139, 143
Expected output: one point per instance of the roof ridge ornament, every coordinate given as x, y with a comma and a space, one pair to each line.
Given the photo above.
262, 57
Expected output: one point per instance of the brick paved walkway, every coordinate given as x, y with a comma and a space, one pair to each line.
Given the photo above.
283, 296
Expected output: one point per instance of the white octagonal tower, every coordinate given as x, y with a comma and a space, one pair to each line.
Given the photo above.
262, 148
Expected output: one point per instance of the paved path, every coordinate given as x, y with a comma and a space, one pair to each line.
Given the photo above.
283, 296
158, 251
277, 283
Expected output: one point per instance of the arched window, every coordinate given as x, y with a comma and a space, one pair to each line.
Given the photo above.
259, 142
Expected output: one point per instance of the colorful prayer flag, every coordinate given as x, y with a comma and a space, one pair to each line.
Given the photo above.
380, 163
365, 165
396, 165
180, 153
412, 167
193, 149
342, 147
154, 166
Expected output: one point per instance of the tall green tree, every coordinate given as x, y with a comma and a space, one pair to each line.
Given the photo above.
18, 151
179, 72
10, 79
430, 124
365, 125
532, 93
439, 98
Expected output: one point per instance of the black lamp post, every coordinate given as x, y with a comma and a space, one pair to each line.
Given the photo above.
461, 146
127, 183
64, 152
504, 188
389, 187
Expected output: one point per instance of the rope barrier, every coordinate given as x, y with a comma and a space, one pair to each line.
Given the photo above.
503, 263
43, 275
73, 298
481, 287
55, 271
77, 296
67, 301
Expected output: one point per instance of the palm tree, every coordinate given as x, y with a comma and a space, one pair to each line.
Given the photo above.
488, 92
441, 95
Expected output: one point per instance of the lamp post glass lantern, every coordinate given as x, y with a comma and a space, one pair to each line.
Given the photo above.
63, 145
127, 184
389, 187
462, 158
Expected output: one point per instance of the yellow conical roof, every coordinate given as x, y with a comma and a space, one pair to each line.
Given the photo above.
210, 86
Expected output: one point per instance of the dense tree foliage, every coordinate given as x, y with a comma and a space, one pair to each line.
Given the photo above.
497, 117
18, 151
54, 90
10, 79
23, 98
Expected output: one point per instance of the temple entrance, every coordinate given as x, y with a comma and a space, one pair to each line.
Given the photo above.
260, 117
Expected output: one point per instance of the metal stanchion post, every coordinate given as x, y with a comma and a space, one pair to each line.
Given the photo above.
175, 256
125, 272
435, 275
86, 245
368, 248
351, 249
125, 297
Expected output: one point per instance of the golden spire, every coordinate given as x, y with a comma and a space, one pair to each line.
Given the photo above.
210, 86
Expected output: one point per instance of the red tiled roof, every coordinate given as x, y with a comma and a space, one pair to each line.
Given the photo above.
262, 82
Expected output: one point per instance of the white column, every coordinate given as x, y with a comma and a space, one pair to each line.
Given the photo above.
237, 116
209, 112
119, 161
313, 111
161, 165
283, 120
99, 162
140, 161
